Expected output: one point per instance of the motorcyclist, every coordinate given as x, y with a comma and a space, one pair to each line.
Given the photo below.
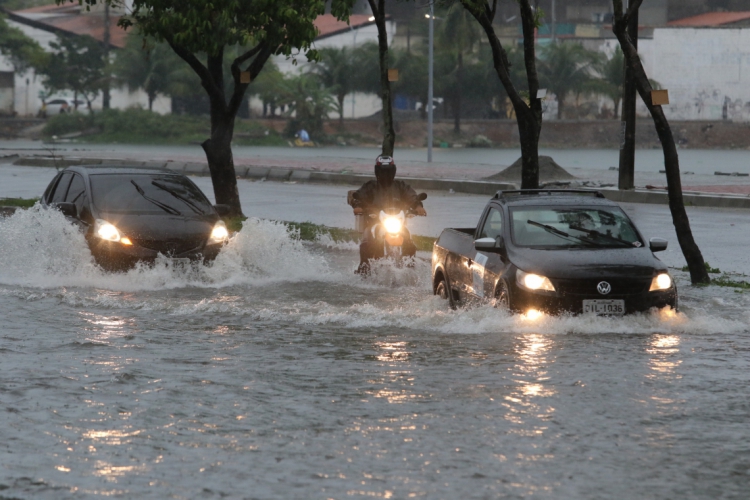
379, 194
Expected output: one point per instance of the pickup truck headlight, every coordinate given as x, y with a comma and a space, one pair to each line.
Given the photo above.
661, 282
219, 233
532, 281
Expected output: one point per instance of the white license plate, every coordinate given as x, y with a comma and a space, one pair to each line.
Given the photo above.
613, 307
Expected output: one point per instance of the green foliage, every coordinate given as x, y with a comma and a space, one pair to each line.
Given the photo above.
728, 282
78, 64
154, 67
22, 51
611, 75
565, 68
137, 126
709, 269
18, 202
309, 102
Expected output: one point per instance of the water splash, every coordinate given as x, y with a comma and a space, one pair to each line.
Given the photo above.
40, 248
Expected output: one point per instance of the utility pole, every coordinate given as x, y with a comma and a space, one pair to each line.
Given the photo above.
553, 25
430, 83
626, 178
105, 89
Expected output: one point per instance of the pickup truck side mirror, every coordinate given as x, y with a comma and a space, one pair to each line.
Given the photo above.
67, 209
222, 209
422, 196
490, 244
657, 244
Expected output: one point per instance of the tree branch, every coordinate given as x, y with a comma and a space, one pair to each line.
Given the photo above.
196, 65
262, 51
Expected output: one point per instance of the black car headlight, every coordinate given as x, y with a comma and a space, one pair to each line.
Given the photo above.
534, 282
109, 232
219, 233
661, 282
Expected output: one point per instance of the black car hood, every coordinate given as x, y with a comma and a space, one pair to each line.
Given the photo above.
587, 263
162, 227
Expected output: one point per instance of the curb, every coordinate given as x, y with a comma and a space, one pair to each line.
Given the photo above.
282, 174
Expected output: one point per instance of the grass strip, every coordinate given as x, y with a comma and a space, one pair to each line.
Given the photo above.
18, 202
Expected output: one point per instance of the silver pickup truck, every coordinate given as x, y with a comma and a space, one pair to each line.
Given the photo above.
553, 251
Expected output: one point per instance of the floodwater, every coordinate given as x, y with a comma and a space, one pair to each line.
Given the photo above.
277, 373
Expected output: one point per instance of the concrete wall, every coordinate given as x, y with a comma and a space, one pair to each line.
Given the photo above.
707, 71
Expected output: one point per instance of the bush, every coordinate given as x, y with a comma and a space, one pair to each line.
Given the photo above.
138, 126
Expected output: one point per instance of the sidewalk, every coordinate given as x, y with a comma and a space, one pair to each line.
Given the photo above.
421, 175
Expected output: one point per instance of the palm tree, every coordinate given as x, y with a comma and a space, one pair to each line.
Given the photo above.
153, 67
337, 73
611, 76
565, 68
458, 36
309, 101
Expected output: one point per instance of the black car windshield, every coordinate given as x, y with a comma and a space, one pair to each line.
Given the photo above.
147, 193
566, 227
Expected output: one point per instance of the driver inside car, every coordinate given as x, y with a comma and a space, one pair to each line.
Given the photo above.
382, 193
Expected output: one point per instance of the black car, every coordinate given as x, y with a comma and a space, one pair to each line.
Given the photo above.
134, 214
553, 251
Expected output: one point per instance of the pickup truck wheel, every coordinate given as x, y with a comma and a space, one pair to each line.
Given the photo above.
441, 289
502, 297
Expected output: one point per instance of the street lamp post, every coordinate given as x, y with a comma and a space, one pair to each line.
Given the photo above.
429, 83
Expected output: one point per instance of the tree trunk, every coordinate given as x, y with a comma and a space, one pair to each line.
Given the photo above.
528, 116
218, 151
151, 99
341, 98
617, 108
560, 107
389, 134
457, 102
693, 256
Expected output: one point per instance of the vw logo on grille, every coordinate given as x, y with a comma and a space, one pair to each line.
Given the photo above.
604, 288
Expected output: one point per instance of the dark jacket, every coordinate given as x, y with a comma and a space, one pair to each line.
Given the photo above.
372, 197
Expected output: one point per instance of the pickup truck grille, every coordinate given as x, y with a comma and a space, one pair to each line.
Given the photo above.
620, 286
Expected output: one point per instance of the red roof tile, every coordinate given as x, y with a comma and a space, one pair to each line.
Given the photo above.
328, 25
711, 19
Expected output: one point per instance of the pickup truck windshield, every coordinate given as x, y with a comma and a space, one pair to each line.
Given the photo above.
588, 227
144, 193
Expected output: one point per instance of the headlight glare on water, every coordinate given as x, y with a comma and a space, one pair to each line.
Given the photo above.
219, 233
532, 281
106, 231
392, 224
661, 282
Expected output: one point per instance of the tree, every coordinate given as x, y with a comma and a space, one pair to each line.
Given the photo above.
458, 36
528, 112
199, 32
693, 256
337, 72
22, 51
611, 73
565, 68
310, 103
389, 137
149, 65
77, 64
268, 88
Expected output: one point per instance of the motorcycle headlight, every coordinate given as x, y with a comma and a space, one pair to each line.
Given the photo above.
219, 233
106, 231
661, 282
532, 281
393, 224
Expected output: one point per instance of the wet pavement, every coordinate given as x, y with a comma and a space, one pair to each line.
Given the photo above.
275, 372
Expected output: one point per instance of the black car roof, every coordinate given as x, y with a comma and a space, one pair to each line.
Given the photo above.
552, 197
120, 169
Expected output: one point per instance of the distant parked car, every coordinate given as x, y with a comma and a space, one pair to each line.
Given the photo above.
553, 251
58, 106
135, 214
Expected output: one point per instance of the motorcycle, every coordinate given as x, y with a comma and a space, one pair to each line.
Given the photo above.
391, 237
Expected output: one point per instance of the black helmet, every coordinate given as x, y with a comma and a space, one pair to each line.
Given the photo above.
385, 170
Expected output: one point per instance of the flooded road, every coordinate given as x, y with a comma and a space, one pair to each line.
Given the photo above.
276, 373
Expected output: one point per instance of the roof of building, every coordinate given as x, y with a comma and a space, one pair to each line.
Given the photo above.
711, 19
71, 19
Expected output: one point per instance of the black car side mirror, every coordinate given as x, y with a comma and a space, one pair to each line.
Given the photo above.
67, 209
222, 209
490, 244
657, 244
